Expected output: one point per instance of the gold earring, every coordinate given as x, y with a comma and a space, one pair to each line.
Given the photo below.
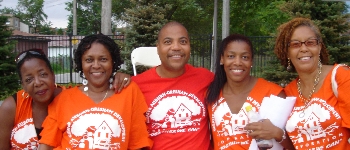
25, 96
289, 67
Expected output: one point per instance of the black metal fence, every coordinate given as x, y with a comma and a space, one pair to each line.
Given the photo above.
60, 50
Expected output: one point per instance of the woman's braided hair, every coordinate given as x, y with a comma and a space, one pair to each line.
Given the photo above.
285, 32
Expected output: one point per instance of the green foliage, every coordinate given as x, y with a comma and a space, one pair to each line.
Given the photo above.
195, 15
277, 73
331, 18
59, 69
8, 75
60, 31
45, 29
88, 17
145, 20
255, 17
31, 12
7, 10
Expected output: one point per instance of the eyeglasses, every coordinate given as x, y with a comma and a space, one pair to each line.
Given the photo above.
308, 43
24, 54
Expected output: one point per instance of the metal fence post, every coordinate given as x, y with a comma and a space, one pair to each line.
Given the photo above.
71, 58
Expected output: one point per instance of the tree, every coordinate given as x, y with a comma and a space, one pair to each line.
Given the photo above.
31, 12
46, 29
331, 17
255, 17
144, 20
60, 31
8, 10
195, 15
88, 17
8, 76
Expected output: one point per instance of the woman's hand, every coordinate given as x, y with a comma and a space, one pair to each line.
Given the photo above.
121, 80
264, 129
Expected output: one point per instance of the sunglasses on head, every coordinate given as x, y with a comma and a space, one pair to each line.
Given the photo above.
24, 54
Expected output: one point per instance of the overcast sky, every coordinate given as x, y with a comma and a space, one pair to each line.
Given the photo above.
54, 9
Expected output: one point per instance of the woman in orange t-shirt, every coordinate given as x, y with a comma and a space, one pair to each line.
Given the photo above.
320, 119
22, 114
231, 91
92, 116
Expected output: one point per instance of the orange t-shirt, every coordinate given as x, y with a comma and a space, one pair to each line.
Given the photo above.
325, 123
227, 128
76, 122
23, 133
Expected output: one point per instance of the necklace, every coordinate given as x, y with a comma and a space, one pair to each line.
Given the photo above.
87, 94
307, 101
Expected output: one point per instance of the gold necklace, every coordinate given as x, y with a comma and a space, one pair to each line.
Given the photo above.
307, 101
87, 94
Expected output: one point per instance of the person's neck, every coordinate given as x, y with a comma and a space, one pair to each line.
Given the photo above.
237, 88
167, 73
307, 79
101, 89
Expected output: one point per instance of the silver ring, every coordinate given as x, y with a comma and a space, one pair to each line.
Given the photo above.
126, 79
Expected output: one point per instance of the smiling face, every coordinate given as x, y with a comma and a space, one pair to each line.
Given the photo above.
97, 65
237, 61
173, 47
37, 80
304, 58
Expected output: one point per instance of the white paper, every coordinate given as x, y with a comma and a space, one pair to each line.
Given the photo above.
277, 110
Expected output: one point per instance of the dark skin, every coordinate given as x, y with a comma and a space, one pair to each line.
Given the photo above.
42, 78
237, 61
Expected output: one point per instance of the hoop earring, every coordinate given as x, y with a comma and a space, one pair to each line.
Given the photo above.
289, 67
85, 82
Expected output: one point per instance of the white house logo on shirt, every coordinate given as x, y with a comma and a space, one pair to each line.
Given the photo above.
94, 128
308, 125
175, 111
229, 125
24, 135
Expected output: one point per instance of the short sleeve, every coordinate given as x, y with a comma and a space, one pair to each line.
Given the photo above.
139, 136
51, 135
343, 81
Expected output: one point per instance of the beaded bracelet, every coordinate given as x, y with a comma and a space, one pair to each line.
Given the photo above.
283, 136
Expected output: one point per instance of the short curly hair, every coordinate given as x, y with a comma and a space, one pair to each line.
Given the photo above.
86, 43
285, 32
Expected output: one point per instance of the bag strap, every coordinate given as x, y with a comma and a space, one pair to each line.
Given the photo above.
334, 82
